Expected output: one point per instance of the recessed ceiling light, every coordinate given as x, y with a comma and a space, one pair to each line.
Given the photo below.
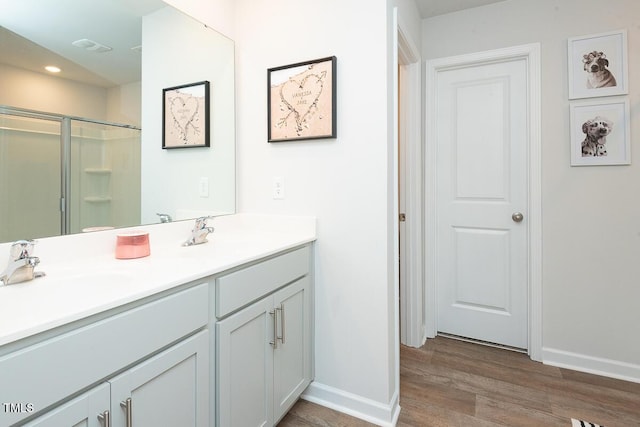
52, 69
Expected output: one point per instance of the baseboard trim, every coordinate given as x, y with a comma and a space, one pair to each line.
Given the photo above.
592, 365
385, 415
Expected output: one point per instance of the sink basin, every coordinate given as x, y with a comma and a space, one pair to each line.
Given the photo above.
56, 295
93, 280
67, 288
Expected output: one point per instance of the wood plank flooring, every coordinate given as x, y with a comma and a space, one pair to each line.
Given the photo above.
454, 383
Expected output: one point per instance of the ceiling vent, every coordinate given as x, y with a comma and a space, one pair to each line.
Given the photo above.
91, 46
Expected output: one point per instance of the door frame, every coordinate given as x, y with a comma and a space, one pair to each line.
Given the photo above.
531, 54
412, 331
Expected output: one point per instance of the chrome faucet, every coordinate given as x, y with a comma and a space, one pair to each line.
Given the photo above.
164, 217
21, 263
199, 232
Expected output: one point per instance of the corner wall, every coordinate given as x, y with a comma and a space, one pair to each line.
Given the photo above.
591, 236
344, 182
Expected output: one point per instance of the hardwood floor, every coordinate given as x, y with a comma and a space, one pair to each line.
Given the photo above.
453, 383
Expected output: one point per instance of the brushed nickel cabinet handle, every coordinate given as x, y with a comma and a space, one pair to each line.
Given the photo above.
105, 419
128, 409
282, 322
274, 343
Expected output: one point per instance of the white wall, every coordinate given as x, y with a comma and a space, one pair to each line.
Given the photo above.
123, 104
342, 181
34, 91
189, 53
217, 14
591, 232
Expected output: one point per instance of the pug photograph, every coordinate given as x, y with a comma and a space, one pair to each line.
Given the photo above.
596, 66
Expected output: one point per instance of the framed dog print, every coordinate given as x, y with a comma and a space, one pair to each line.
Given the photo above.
301, 100
185, 116
600, 133
598, 65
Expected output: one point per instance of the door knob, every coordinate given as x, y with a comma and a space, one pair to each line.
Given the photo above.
517, 217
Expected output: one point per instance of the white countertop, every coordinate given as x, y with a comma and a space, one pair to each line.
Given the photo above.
83, 277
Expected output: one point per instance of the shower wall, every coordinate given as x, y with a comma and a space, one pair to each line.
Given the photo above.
104, 175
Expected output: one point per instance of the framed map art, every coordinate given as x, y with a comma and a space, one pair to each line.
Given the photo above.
185, 116
301, 100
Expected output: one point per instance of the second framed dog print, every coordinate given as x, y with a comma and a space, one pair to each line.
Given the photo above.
600, 133
598, 65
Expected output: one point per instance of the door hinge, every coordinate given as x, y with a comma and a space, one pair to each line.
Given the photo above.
402, 217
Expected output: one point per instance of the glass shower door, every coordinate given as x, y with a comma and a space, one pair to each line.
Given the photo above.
30, 177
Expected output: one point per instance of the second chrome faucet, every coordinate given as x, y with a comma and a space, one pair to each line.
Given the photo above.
199, 232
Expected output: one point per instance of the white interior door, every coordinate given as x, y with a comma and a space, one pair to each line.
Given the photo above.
481, 198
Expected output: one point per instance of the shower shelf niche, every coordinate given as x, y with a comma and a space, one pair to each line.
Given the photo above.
98, 171
97, 199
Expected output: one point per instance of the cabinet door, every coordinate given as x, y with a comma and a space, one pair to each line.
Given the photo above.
244, 363
82, 411
170, 389
292, 357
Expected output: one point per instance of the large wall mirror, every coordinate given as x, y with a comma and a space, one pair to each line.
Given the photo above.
82, 149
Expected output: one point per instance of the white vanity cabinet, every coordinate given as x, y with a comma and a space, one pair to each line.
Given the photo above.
167, 390
170, 389
154, 352
263, 360
223, 339
84, 411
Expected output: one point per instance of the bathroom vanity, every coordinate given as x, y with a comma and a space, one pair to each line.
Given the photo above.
213, 334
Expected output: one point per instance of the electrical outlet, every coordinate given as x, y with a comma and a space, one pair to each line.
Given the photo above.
278, 188
203, 187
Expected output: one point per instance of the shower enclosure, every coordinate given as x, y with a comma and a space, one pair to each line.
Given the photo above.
62, 175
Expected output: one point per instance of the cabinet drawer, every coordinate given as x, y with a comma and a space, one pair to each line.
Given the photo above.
44, 373
239, 289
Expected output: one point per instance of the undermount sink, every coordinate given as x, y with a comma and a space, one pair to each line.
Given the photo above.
91, 280
60, 288
59, 291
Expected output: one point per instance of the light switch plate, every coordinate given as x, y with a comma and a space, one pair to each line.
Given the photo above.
203, 187
278, 188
